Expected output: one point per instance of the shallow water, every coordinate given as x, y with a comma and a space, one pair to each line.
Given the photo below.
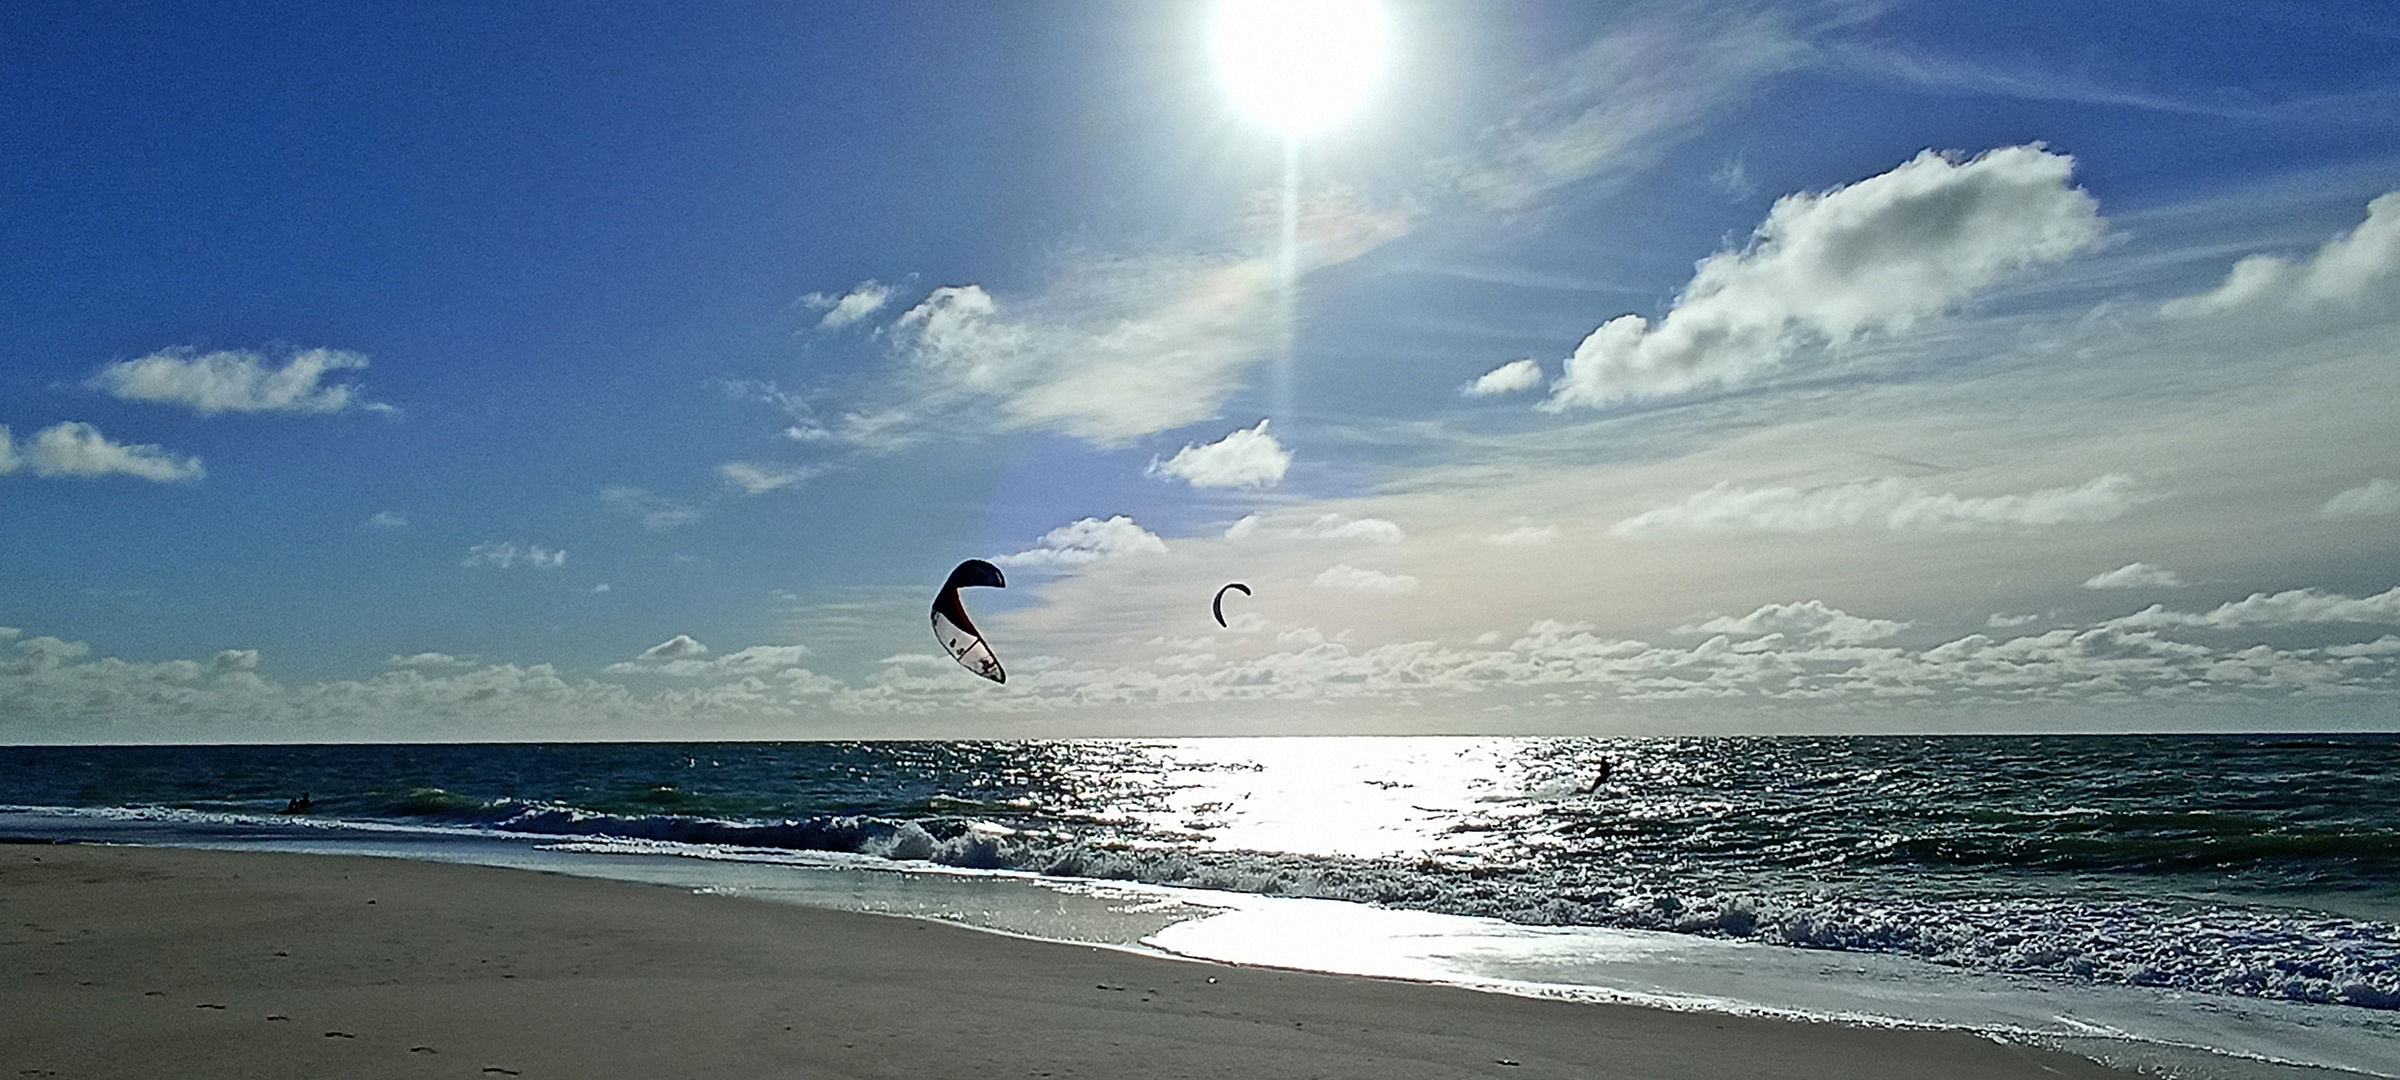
2237, 893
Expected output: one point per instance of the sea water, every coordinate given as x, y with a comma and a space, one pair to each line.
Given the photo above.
2195, 906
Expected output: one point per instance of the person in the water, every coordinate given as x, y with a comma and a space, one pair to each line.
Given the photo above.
1600, 777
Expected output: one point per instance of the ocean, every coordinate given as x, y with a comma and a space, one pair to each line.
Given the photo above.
2196, 906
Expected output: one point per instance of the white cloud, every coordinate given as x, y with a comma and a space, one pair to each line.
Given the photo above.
427, 661
2345, 270
235, 381
1889, 502
2375, 498
679, 647
1805, 619
1346, 576
1340, 527
1115, 349
387, 519
684, 657
1249, 457
1506, 379
2135, 575
9, 462
756, 479
1524, 534
1086, 541
2001, 621
507, 556
1878, 255
2275, 609
655, 512
858, 303
79, 450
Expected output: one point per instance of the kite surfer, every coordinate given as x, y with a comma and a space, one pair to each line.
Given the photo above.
1217, 606
955, 631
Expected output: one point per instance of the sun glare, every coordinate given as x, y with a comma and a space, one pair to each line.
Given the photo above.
1299, 65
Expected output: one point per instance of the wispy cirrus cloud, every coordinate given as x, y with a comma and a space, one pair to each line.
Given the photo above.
1878, 255
1888, 503
656, 513
752, 478
1617, 106
1117, 347
78, 450
231, 380
508, 555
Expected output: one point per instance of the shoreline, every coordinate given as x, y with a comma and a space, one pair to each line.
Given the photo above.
173, 962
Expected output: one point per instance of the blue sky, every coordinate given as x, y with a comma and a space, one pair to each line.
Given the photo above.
449, 371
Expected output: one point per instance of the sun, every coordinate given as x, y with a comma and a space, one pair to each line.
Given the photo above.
1299, 65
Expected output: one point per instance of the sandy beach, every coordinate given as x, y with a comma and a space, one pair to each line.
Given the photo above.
141, 962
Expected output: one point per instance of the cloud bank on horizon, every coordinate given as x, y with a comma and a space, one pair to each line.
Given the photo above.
1671, 368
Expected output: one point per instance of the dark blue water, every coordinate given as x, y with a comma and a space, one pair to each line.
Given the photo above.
2259, 867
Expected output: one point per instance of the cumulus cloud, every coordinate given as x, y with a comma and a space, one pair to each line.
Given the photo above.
427, 661
1805, 619
2375, 498
1524, 534
2135, 575
1340, 527
1086, 541
1878, 255
387, 519
236, 381
508, 556
1506, 379
858, 303
1249, 457
2350, 267
656, 513
755, 479
1359, 579
684, 657
2274, 609
1889, 502
73, 449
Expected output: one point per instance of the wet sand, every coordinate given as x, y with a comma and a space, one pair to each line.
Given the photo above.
149, 962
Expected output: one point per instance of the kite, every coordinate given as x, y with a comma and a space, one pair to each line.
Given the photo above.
1217, 606
955, 631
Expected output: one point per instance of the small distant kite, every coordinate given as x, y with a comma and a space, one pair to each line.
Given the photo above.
955, 631
1217, 606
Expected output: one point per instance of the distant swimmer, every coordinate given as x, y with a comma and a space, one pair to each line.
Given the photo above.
1600, 777
300, 805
